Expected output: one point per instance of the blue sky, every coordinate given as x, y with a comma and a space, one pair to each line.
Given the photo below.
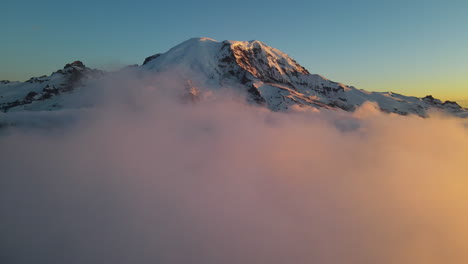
413, 47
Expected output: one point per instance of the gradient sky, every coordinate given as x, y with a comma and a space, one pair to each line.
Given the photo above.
412, 47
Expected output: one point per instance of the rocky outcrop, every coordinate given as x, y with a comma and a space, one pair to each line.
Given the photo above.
150, 58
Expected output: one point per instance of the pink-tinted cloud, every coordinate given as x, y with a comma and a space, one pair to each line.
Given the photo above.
150, 180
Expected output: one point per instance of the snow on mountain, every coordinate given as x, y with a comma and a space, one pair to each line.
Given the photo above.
266, 75
46, 92
272, 78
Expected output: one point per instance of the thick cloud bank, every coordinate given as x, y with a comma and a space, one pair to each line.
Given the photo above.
150, 180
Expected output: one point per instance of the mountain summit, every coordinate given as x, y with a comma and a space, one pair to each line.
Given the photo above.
273, 78
266, 75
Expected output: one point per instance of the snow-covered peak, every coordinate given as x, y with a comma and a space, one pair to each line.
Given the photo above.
206, 55
196, 53
267, 76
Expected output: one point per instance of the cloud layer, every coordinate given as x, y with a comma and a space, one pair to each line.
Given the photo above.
150, 180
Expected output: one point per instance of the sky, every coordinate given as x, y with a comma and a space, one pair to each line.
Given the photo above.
411, 47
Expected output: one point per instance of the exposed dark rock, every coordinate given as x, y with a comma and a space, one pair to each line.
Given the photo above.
7, 106
256, 96
50, 90
228, 59
225, 44
451, 104
30, 95
37, 80
47, 96
150, 58
130, 66
75, 64
245, 79
73, 80
429, 98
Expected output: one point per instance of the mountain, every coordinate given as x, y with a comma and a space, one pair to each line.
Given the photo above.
46, 92
264, 74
